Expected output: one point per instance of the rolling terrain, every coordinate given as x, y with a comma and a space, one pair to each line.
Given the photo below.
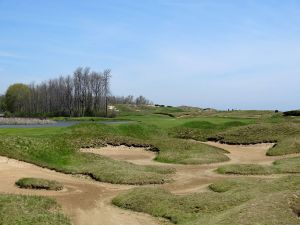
181, 165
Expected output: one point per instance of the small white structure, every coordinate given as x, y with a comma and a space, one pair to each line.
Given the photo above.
113, 108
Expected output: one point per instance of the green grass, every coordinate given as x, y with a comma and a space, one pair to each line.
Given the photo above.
258, 133
58, 149
234, 201
247, 169
30, 210
39, 183
285, 146
188, 152
234, 127
242, 201
178, 209
59, 154
290, 165
285, 134
201, 130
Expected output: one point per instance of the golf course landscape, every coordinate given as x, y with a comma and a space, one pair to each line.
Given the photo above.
155, 112
154, 165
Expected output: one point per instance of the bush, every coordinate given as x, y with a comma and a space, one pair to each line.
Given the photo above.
292, 113
8, 114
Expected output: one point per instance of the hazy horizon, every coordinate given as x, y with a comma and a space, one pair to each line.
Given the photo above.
210, 54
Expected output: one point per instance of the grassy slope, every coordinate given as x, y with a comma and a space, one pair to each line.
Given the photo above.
231, 202
57, 148
187, 152
203, 128
61, 153
285, 133
30, 210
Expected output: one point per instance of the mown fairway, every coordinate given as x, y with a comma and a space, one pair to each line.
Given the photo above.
168, 131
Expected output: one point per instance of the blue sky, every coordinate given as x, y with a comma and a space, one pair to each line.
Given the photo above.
241, 54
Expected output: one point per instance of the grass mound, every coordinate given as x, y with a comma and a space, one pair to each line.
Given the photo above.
30, 210
108, 170
38, 183
272, 209
258, 133
178, 209
290, 165
233, 201
246, 169
288, 145
201, 130
285, 134
188, 152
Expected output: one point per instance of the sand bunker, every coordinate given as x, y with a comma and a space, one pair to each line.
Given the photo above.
237, 153
85, 201
89, 202
140, 156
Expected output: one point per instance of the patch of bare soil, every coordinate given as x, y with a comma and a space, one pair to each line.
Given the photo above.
89, 202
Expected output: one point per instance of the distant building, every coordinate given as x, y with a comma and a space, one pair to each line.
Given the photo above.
113, 108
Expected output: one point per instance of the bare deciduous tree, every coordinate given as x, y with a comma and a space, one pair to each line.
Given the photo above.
83, 94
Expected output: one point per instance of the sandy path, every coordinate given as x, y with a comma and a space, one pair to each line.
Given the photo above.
89, 202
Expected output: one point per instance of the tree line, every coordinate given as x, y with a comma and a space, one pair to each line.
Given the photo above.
84, 93
130, 99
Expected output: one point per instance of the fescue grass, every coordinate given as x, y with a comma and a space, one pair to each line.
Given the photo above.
285, 146
30, 210
235, 201
247, 169
58, 154
242, 201
188, 152
289, 165
178, 209
58, 148
60, 151
201, 130
285, 134
258, 133
39, 183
